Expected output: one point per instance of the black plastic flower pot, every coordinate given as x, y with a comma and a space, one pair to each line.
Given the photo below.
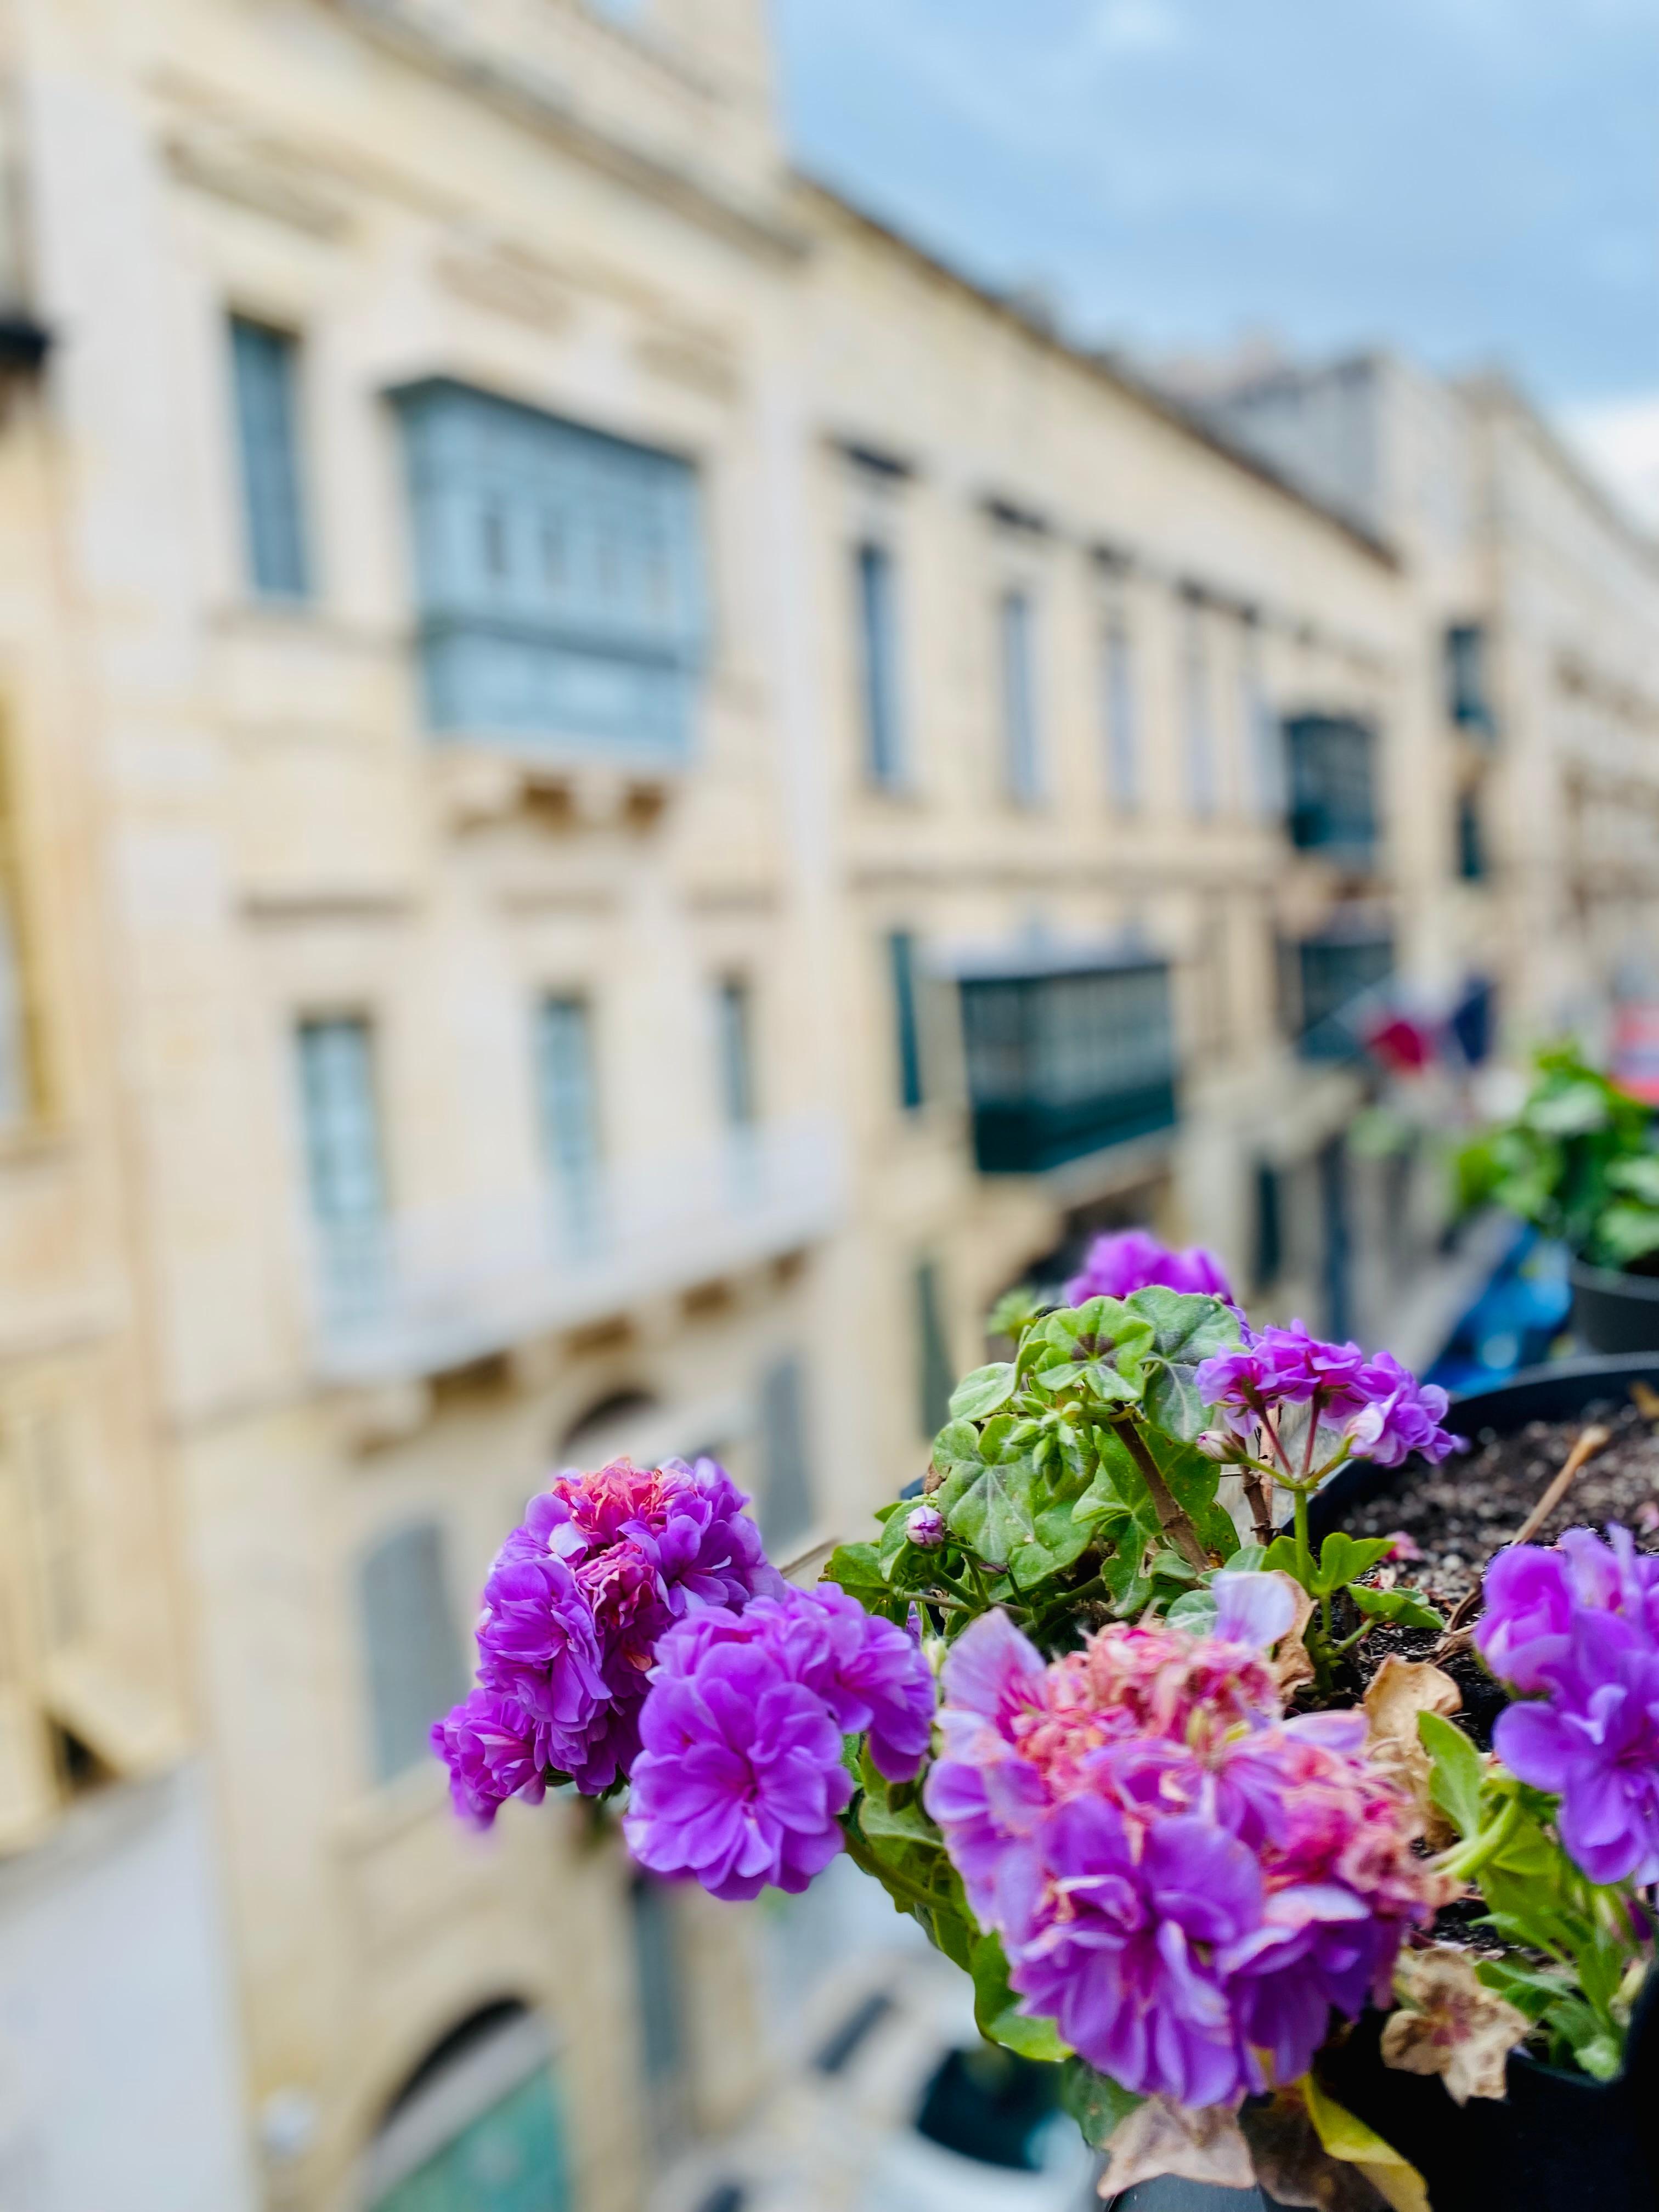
1613, 1311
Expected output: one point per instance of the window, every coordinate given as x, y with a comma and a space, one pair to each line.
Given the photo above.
1269, 1258
342, 1126
659, 1980
1195, 712
787, 1512
1332, 977
1022, 765
559, 575
935, 1375
1118, 708
1471, 843
733, 1015
344, 1171
265, 365
1465, 679
570, 1137
902, 962
884, 750
1333, 800
1262, 746
413, 1651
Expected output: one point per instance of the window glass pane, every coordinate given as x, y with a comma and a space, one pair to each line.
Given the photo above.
1022, 766
878, 666
570, 1107
901, 950
1122, 746
264, 364
415, 1667
735, 1053
935, 1375
342, 1125
786, 1511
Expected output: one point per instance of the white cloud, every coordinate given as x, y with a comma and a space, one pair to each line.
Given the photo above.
1620, 444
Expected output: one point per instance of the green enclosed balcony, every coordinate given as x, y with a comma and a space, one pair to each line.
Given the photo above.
1066, 1056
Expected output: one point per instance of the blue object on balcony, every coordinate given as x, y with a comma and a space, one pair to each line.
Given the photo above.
1333, 804
1333, 974
1063, 1061
1515, 1319
559, 578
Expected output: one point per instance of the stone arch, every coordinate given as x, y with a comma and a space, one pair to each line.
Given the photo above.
475, 2125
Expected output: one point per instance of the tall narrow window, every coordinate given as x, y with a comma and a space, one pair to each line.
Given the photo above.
410, 1644
734, 1018
786, 1513
344, 1172
570, 1107
884, 736
265, 366
935, 1375
1118, 708
1263, 747
1195, 712
1022, 763
902, 962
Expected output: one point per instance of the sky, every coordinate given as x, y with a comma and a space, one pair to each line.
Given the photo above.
1472, 180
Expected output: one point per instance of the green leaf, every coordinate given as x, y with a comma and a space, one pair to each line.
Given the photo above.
903, 1824
991, 1503
1404, 1606
1572, 1112
1195, 1611
1187, 1329
857, 1568
1094, 2101
1102, 1349
1248, 1559
1170, 1567
1058, 1540
1457, 1771
979, 1395
1013, 1312
996, 2007
1624, 1233
1282, 1558
1344, 1559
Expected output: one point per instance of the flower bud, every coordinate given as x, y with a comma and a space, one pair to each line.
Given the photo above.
926, 1528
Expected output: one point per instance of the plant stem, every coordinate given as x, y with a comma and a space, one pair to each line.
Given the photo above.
890, 1878
1472, 1854
1171, 1515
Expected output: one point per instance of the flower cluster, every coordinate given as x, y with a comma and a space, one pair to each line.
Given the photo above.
1130, 1260
1575, 1629
575, 1605
1184, 1882
1382, 1411
741, 1779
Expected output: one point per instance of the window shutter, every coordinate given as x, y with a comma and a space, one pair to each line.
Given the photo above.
413, 1651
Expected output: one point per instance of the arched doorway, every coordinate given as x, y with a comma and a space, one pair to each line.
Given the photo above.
476, 2127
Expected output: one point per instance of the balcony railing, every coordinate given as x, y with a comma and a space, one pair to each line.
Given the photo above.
1333, 806
431, 1289
1064, 1063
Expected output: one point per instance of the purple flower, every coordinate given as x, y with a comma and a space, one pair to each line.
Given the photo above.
925, 1528
494, 1751
1575, 1629
741, 1781
1179, 1900
582, 1591
1132, 1259
1383, 1410
1594, 1742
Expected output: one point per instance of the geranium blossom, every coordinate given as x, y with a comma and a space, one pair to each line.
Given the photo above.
1132, 1259
1182, 1880
576, 1602
740, 1782
1377, 1408
1575, 1628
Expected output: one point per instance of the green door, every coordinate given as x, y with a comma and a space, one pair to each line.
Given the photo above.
510, 2159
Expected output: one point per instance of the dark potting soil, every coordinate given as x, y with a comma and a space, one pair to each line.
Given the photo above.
1461, 1512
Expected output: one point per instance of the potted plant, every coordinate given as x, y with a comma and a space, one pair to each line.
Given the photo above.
1578, 1160
1143, 1749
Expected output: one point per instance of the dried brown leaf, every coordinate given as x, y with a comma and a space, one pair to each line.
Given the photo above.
1160, 2136
1401, 1689
1292, 1665
1451, 2023
1294, 2167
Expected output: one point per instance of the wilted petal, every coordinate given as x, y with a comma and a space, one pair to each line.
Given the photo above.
1161, 2137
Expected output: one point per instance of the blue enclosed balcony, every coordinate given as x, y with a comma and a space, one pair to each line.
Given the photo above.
559, 580
1065, 1058
1329, 758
